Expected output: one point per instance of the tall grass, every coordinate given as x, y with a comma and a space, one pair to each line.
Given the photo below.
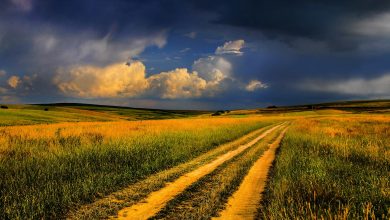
46, 169
332, 168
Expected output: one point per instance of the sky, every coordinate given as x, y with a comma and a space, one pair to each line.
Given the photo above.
195, 54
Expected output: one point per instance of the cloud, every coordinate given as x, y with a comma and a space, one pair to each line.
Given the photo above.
231, 47
254, 85
2, 73
129, 80
213, 68
374, 26
191, 35
185, 50
115, 80
178, 83
23, 5
3, 90
14, 81
355, 86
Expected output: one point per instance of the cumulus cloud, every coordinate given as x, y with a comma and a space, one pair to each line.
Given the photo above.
178, 83
14, 81
213, 68
116, 80
209, 76
231, 47
129, 80
356, 86
254, 85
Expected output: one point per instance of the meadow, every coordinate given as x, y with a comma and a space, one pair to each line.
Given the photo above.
332, 168
90, 162
47, 169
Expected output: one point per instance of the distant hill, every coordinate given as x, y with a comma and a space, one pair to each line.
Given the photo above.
361, 106
74, 112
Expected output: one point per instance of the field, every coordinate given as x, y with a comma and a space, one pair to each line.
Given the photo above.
95, 162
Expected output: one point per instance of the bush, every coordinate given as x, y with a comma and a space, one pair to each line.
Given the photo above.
220, 112
4, 107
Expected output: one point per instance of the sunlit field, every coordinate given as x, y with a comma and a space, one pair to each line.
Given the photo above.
46, 169
331, 163
332, 168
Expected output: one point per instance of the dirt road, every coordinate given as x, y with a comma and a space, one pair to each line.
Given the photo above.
244, 203
157, 200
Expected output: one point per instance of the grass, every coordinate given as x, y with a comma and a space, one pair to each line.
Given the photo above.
205, 198
46, 169
332, 168
56, 113
111, 204
88, 161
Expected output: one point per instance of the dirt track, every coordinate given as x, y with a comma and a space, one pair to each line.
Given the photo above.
244, 203
157, 200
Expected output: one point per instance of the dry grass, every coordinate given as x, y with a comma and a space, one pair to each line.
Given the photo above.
332, 168
59, 166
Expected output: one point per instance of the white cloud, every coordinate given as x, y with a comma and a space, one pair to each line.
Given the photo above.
254, 85
178, 83
14, 81
374, 26
185, 50
357, 86
231, 47
45, 42
213, 68
209, 76
104, 50
121, 80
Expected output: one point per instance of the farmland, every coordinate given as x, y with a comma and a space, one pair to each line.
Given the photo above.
96, 162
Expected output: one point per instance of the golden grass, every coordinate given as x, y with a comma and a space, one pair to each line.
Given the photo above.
59, 166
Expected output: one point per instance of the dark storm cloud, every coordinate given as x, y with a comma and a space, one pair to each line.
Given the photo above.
287, 44
322, 20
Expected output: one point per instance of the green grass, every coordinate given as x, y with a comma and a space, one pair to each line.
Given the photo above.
129, 113
205, 198
36, 114
44, 177
333, 169
134, 193
27, 117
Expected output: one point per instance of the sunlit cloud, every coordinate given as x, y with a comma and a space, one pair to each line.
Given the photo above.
115, 80
129, 80
14, 81
231, 47
178, 83
255, 85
